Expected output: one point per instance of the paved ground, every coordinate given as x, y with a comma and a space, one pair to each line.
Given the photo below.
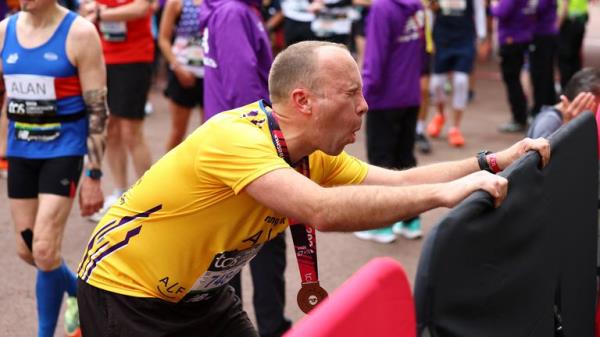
340, 254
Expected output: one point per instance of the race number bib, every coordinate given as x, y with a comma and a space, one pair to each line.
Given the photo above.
224, 267
332, 21
453, 7
531, 7
114, 31
32, 97
29, 95
189, 53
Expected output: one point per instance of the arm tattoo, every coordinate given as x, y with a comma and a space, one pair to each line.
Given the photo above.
97, 109
2, 91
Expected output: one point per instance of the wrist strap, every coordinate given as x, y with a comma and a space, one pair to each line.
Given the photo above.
482, 161
493, 163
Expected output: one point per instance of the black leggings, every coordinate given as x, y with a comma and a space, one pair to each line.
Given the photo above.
391, 137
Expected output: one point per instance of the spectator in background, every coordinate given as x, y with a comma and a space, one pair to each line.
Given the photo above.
580, 94
542, 55
457, 27
573, 19
180, 40
297, 21
392, 68
358, 30
128, 49
421, 142
6, 8
333, 20
72, 5
516, 20
273, 17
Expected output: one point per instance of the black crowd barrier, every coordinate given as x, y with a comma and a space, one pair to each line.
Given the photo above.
527, 267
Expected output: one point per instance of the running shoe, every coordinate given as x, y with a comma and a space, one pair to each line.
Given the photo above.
410, 229
382, 235
511, 127
72, 318
435, 125
455, 137
108, 202
422, 143
3, 167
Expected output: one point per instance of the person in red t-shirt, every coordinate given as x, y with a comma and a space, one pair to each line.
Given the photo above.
129, 52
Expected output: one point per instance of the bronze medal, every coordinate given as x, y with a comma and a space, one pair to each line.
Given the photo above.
310, 295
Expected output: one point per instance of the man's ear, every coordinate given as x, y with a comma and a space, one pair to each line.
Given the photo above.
301, 100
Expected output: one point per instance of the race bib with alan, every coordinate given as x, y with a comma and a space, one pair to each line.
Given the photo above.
29, 99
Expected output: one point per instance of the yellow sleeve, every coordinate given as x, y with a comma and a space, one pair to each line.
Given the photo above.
235, 154
342, 169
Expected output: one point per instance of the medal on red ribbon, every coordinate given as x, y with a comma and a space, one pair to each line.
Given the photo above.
304, 236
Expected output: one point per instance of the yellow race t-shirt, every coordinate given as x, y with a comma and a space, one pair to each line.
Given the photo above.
187, 223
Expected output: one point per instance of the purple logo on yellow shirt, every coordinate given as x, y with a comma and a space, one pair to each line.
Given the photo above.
250, 116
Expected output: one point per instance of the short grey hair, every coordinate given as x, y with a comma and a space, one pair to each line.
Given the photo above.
585, 80
294, 67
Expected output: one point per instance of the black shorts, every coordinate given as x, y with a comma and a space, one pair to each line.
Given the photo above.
29, 177
128, 86
426, 65
454, 58
358, 26
187, 97
107, 314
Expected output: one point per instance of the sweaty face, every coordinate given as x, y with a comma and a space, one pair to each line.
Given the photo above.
339, 105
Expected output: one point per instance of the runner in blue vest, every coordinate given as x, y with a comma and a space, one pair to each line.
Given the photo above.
56, 106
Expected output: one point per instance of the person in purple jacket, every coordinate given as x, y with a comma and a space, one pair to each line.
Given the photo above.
237, 60
516, 20
3, 9
542, 55
237, 54
391, 79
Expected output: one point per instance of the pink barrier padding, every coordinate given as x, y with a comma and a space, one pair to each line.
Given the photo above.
598, 126
375, 301
597, 327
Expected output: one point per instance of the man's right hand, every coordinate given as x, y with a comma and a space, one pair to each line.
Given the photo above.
459, 189
186, 78
91, 198
584, 101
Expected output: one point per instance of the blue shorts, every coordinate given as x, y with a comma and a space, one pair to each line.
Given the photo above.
455, 58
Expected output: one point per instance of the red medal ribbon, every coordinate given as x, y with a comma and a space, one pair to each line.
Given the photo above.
303, 235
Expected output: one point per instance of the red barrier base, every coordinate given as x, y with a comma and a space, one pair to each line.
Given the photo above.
376, 301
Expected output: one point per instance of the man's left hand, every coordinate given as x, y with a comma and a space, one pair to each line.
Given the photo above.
508, 156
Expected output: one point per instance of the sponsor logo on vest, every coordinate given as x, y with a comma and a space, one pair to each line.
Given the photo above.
51, 56
12, 58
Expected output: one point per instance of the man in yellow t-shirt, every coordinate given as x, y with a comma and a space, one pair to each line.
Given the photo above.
157, 264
